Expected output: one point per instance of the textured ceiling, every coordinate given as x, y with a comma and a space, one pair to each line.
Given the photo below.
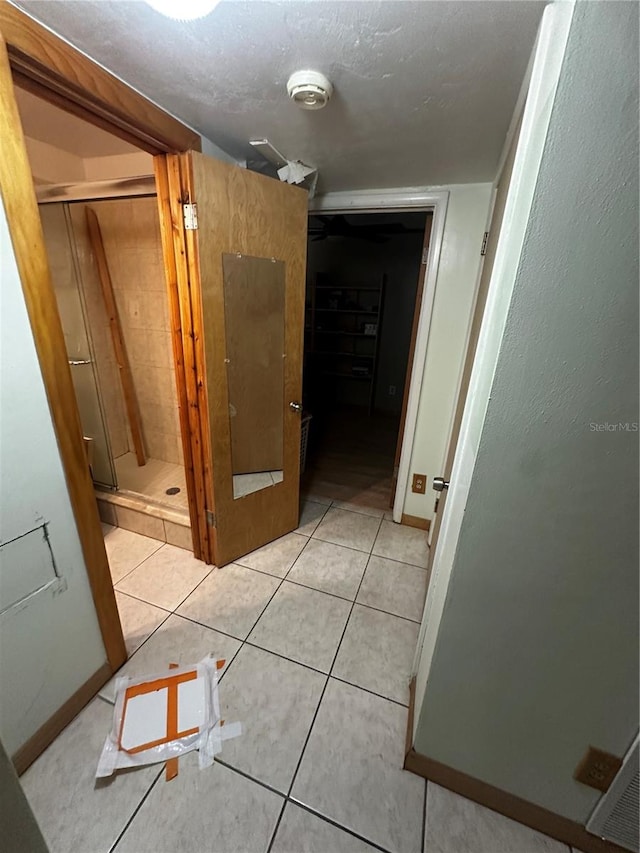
44, 121
424, 90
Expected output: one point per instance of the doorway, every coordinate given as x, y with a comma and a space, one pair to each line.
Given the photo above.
109, 282
364, 291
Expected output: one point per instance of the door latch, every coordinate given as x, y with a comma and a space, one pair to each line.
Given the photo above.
440, 484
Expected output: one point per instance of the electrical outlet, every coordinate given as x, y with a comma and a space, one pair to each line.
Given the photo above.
392, 390
419, 484
597, 769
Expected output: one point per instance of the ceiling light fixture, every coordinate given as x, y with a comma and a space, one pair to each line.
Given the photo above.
183, 10
310, 90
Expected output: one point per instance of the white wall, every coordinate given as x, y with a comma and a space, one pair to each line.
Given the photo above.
536, 651
50, 643
456, 284
51, 165
130, 165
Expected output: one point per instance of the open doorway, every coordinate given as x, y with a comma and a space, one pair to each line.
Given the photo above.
109, 282
365, 273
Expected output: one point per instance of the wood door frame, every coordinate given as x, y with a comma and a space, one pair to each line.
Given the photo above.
173, 181
38, 60
49, 67
402, 201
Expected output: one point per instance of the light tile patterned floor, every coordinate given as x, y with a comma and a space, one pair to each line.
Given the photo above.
318, 630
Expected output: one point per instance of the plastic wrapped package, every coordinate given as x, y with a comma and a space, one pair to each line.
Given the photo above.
163, 716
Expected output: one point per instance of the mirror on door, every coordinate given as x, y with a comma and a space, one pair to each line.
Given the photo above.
254, 304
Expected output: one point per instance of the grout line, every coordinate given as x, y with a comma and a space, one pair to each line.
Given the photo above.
275, 590
286, 798
401, 562
346, 598
318, 522
387, 612
137, 565
277, 826
204, 625
200, 582
324, 689
359, 550
355, 597
142, 600
359, 511
136, 810
330, 820
306, 740
229, 661
244, 774
340, 545
404, 705
315, 588
254, 645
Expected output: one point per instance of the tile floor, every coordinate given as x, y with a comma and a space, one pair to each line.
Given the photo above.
318, 631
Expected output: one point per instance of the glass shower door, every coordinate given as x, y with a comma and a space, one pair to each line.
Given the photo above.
56, 226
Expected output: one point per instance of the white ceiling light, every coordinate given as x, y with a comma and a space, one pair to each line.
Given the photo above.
310, 90
183, 10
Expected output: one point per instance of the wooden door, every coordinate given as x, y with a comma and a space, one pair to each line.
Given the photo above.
240, 276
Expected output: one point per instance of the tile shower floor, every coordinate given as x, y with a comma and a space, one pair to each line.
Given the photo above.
152, 480
318, 630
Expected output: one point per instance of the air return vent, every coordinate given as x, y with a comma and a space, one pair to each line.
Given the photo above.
616, 815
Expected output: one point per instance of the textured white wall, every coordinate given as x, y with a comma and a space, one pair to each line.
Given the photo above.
452, 310
536, 656
50, 646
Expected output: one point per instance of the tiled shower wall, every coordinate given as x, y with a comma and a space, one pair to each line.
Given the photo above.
131, 236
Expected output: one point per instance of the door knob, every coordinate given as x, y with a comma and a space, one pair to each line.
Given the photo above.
440, 484
296, 407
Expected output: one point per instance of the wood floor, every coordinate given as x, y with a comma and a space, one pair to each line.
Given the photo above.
350, 458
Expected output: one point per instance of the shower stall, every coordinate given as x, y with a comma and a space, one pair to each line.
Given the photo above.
117, 331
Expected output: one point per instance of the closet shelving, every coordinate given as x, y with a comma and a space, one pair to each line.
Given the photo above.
342, 332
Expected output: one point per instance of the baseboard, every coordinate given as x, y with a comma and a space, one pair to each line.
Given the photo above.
408, 741
48, 732
416, 521
513, 807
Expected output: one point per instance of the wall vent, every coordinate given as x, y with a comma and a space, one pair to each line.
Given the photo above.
616, 816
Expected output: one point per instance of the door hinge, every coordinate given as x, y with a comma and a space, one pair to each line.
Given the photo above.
190, 212
211, 518
425, 256
483, 250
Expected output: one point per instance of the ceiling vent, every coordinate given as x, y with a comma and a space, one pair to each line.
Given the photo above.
310, 90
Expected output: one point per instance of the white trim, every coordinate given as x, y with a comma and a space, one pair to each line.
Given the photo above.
402, 200
370, 201
463, 363
517, 110
554, 31
420, 353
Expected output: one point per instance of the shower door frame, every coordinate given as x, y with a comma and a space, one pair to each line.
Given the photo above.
34, 58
